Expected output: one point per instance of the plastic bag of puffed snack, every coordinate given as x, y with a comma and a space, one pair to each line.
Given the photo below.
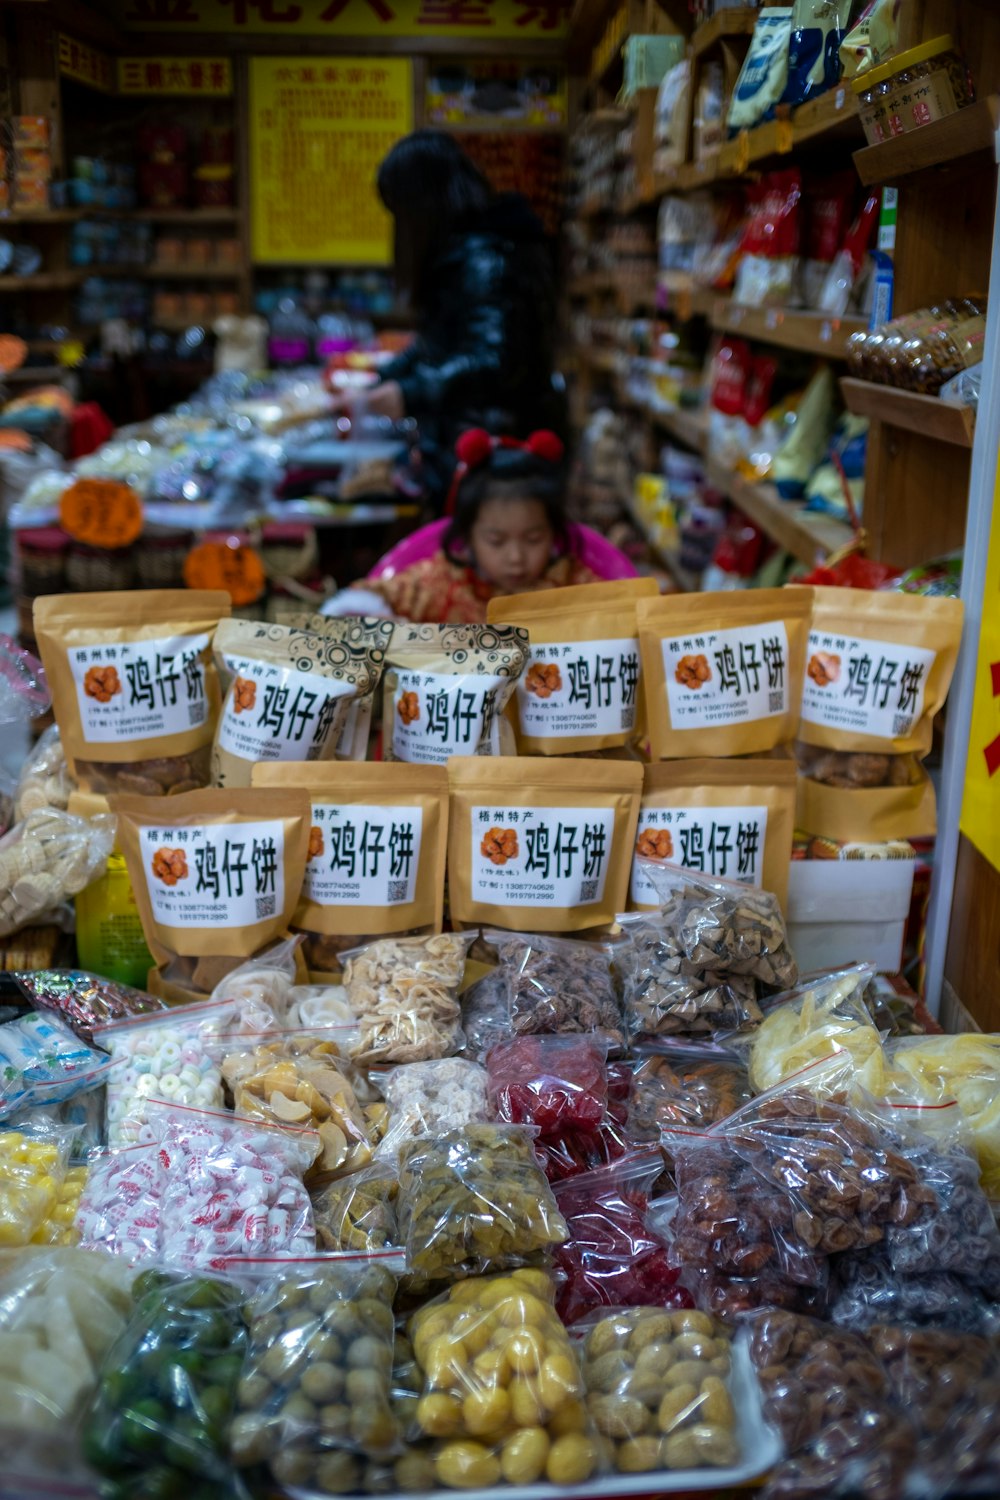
427, 1098
404, 993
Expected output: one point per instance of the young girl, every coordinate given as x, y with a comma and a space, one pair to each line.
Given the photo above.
507, 534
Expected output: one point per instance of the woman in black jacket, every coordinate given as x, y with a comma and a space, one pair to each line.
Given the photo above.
477, 271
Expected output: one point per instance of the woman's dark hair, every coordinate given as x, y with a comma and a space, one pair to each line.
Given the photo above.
431, 188
510, 474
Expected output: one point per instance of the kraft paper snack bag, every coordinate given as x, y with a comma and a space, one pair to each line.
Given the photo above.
216, 875
580, 690
731, 818
878, 669
357, 630
722, 672
287, 695
540, 845
378, 841
134, 688
445, 690
868, 815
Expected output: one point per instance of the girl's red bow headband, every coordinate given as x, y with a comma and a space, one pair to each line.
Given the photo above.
475, 446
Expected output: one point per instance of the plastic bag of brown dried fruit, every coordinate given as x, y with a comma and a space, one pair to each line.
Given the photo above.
559, 985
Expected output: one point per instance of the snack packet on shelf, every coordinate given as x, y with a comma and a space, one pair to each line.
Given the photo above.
540, 844
404, 993
446, 688
217, 876
136, 703
580, 689
516, 1412
377, 845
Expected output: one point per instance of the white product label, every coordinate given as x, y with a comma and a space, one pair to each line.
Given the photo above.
232, 875
526, 856
580, 688
727, 841
278, 713
870, 687
363, 856
727, 676
436, 715
140, 690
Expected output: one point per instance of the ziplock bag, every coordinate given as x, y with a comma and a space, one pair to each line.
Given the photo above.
935, 1069
427, 1098
559, 985
555, 1083
49, 857
611, 1258
486, 1014
823, 1014
83, 1000
723, 926
404, 992
317, 1377
33, 1166
159, 1423
357, 1213
661, 999
43, 1062
677, 1083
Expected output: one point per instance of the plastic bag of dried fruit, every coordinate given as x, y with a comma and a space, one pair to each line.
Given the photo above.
404, 992
559, 985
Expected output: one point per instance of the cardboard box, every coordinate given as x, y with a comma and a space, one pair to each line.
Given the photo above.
843, 911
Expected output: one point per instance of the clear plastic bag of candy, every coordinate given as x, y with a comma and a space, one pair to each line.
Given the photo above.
558, 1084
47, 858
43, 1062
514, 1412
160, 1421
44, 780
404, 992
570, 1152
427, 1098
559, 985
663, 998
317, 1378
824, 1013
358, 1212
658, 1388
474, 1198
83, 1000
261, 990
171, 1054
611, 1257
34, 1161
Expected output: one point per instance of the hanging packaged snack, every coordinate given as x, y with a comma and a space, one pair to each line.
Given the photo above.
302, 1078
428, 1098
217, 876
160, 1420
136, 703
555, 1083
722, 673
612, 1258
764, 73
559, 985
516, 1412
540, 844
404, 993
446, 688
45, 860
377, 848
652, 1417
580, 690
316, 1389
367, 632
732, 818
287, 695
473, 1199
357, 1212
878, 670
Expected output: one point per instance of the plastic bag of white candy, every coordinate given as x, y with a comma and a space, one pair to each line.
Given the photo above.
43, 1062
200, 1185
428, 1098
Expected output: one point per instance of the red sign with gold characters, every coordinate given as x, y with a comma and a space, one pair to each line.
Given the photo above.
413, 18
101, 513
209, 76
86, 64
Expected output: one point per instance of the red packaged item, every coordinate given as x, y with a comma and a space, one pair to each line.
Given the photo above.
767, 270
573, 1153
730, 370
757, 392
612, 1258
556, 1083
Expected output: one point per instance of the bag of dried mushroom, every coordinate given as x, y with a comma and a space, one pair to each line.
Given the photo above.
368, 631
540, 845
216, 875
580, 690
446, 688
722, 673
377, 846
878, 669
134, 688
733, 818
404, 993
288, 694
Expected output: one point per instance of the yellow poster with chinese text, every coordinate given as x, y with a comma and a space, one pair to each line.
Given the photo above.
485, 19
980, 820
319, 127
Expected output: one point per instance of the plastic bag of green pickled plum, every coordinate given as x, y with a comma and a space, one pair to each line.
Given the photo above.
158, 1427
315, 1397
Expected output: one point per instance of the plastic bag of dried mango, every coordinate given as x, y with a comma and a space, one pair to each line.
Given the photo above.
931, 1070
503, 1391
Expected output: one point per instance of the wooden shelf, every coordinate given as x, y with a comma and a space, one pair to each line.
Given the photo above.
42, 281
688, 425
189, 273
806, 332
680, 294
40, 215
833, 112
971, 129
735, 21
807, 536
928, 415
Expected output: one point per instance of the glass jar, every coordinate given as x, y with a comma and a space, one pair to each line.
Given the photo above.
873, 104
930, 82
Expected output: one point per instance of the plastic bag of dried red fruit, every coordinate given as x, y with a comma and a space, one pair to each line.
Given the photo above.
559, 985
556, 1083
571, 1152
612, 1258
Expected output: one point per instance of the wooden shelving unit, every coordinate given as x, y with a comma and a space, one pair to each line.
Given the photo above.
805, 332
41, 281
970, 130
943, 421
734, 21
808, 536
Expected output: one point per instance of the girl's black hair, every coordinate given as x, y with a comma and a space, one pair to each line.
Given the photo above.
431, 188
514, 474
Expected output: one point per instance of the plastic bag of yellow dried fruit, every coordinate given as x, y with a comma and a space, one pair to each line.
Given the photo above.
503, 1392
301, 1078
